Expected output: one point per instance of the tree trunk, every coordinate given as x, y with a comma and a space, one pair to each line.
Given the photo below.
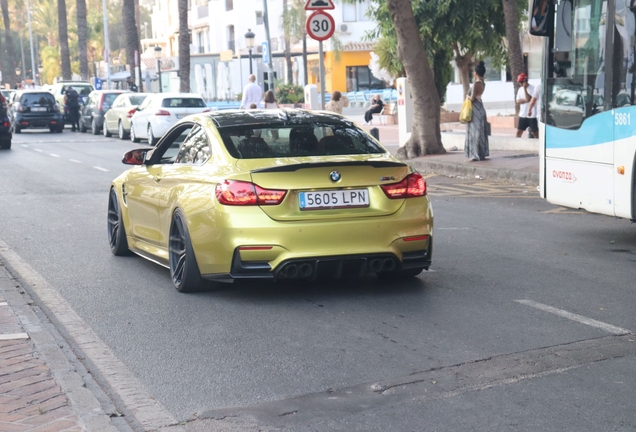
65, 54
9, 71
464, 63
184, 48
138, 19
82, 38
131, 33
288, 60
515, 56
425, 137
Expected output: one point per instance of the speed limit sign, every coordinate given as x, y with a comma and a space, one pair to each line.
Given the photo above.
320, 26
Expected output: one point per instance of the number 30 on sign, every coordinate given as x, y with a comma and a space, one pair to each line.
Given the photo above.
320, 26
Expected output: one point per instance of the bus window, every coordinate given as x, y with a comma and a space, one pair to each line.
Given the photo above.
580, 94
623, 62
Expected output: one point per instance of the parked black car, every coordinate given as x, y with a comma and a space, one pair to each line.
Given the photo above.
92, 112
5, 125
36, 109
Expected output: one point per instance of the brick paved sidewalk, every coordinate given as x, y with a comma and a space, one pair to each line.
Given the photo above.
30, 399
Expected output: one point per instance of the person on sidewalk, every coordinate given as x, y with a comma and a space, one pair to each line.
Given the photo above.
270, 100
376, 107
252, 93
71, 101
523, 99
534, 107
476, 145
337, 103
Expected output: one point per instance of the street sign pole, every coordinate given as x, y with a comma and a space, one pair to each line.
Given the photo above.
106, 43
322, 75
270, 69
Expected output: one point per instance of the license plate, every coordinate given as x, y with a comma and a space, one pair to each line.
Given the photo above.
38, 109
180, 116
330, 199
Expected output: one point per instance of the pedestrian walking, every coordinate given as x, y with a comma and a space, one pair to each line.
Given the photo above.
252, 93
523, 99
71, 103
534, 107
337, 103
270, 100
476, 144
376, 107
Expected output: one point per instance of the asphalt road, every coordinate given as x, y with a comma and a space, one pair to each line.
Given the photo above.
481, 342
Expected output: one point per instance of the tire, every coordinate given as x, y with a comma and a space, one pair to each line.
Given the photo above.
82, 128
184, 269
52, 129
94, 128
5, 142
116, 230
16, 129
151, 138
133, 138
60, 129
121, 132
105, 131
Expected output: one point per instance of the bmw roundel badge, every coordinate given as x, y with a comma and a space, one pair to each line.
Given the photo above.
334, 176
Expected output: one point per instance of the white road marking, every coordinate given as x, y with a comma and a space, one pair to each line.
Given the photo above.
54, 155
574, 317
24, 145
75, 160
4, 304
101, 169
150, 414
13, 336
39, 151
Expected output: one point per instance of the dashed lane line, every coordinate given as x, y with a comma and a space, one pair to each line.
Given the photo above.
39, 150
101, 169
574, 317
54, 155
75, 160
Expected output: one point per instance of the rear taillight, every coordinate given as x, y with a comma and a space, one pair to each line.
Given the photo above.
233, 192
413, 185
207, 110
162, 113
131, 112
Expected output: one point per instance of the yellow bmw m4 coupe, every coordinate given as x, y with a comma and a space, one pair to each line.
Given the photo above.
270, 194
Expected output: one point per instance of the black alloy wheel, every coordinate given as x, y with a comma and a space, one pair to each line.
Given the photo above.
120, 131
184, 269
116, 231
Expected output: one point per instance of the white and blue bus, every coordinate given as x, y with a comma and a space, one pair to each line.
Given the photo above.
587, 133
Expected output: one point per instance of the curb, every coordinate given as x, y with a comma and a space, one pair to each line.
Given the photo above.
500, 174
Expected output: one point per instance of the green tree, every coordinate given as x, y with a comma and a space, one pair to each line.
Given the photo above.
9, 70
132, 33
82, 38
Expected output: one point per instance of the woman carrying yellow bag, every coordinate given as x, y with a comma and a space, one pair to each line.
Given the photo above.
466, 113
476, 145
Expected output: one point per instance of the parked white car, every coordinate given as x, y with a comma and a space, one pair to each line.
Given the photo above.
160, 111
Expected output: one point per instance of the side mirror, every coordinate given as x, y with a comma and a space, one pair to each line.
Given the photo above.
135, 157
540, 17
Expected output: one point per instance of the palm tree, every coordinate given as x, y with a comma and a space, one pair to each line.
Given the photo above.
9, 72
63, 39
293, 24
131, 32
82, 38
515, 57
286, 36
184, 48
426, 137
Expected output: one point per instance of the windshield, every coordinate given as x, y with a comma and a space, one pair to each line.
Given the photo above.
249, 142
82, 90
183, 103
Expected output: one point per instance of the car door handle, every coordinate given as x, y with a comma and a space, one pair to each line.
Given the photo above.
158, 179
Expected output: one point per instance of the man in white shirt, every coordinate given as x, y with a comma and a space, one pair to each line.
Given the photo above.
524, 95
252, 93
534, 108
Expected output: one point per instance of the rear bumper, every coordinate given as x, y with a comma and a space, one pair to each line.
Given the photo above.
26, 122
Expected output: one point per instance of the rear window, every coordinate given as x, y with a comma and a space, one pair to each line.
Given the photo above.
30, 99
109, 98
183, 103
298, 140
137, 100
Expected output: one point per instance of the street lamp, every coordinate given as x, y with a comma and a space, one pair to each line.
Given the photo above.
249, 42
158, 57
